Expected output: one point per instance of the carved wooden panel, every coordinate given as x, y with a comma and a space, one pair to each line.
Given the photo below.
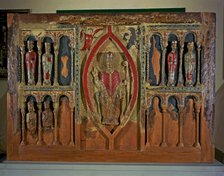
123, 87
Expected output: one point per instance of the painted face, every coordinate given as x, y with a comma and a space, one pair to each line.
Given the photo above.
174, 45
30, 45
90, 31
156, 101
64, 101
109, 60
190, 102
190, 46
47, 46
30, 106
47, 104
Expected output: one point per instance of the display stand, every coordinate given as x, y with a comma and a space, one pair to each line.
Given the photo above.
102, 169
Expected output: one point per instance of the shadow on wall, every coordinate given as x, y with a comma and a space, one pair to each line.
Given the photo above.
3, 121
219, 120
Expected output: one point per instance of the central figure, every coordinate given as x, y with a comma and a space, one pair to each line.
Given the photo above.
108, 93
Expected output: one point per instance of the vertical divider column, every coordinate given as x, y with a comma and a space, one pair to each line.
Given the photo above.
180, 74
39, 62
56, 63
56, 142
199, 64
40, 132
197, 126
164, 108
23, 112
71, 143
22, 52
164, 50
180, 135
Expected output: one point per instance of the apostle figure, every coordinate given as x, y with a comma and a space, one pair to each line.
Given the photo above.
156, 55
189, 64
172, 124
154, 124
189, 123
64, 121
31, 60
47, 62
31, 119
47, 117
172, 61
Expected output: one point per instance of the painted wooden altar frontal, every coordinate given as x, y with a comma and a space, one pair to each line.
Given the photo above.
107, 89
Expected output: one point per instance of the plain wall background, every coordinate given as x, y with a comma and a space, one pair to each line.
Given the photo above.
50, 6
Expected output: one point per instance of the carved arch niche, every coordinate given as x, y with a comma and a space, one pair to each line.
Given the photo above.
189, 122
153, 123
31, 60
31, 120
190, 61
155, 59
172, 60
47, 119
172, 121
64, 120
47, 61
64, 61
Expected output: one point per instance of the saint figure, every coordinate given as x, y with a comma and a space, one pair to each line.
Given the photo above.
189, 123
172, 61
189, 64
31, 119
154, 124
109, 91
47, 117
47, 62
30, 60
156, 55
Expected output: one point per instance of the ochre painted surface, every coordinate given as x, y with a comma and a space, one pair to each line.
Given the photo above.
122, 87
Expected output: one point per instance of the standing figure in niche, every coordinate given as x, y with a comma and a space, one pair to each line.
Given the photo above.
47, 62
64, 121
172, 61
47, 117
31, 119
64, 61
156, 55
189, 123
189, 64
31, 60
172, 125
154, 124
110, 95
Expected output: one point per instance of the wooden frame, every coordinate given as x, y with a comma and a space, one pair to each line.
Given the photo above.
3, 39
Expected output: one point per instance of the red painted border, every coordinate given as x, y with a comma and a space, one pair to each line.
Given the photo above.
110, 35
